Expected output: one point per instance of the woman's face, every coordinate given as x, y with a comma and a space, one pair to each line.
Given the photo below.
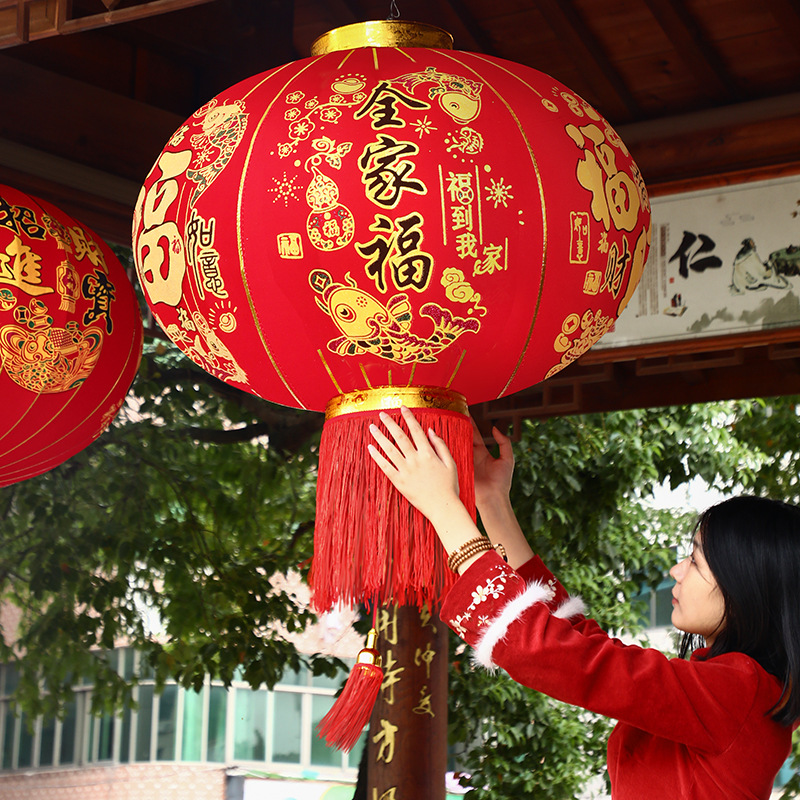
697, 603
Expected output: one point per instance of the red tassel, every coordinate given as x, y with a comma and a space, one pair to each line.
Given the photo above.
343, 724
369, 542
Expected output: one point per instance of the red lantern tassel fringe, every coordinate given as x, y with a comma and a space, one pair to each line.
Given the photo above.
369, 542
343, 724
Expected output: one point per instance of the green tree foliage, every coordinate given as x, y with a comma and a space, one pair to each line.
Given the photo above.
163, 534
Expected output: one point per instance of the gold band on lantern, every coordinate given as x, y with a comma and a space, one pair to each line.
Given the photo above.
382, 33
383, 398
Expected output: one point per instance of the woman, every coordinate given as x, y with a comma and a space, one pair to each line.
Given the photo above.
716, 726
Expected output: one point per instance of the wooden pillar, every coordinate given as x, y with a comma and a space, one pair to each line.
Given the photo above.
407, 746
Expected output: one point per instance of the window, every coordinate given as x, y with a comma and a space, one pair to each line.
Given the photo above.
250, 736
657, 604
272, 729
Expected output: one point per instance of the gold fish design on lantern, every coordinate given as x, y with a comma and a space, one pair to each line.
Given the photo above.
221, 130
44, 359
458, 96
369, 326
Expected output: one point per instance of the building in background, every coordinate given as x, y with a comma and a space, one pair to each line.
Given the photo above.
218, 744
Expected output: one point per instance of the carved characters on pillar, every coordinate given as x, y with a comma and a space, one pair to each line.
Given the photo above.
412, 705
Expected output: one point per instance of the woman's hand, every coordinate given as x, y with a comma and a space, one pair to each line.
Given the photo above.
420, 467
492, 486
424, 472
492, 475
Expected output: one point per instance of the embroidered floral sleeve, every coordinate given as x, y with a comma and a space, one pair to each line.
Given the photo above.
491, 586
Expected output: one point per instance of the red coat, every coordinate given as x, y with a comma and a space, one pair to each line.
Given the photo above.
694, 729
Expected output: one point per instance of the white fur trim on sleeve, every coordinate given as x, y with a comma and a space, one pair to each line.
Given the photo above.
571, 607
496, 630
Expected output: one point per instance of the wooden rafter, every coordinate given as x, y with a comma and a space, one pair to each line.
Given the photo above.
787, 14
694, 48
614, 98
672, 373
473, 27
29, 20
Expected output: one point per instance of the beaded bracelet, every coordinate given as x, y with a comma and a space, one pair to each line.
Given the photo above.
480, 544
473, 547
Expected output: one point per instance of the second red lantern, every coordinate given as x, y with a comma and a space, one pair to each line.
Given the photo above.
70, 336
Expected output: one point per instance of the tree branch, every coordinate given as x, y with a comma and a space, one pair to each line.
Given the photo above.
231, 436
288, 428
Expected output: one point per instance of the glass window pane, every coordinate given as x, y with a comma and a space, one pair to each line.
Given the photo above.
104, 730
192, 726
47, 743
143, 725
664, 606
286, 726
90, 749
354, 756
321, 754
125, 737
25, 757
68, 726
145, 670
217, 716
8, 739
11, 679
292, 678
251, 725
324, 682
167, 724
126, 658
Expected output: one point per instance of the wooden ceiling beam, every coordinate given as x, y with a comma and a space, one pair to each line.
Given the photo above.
689, 149
787, 14
693, 378
87, 119
615, 101
106, 216
243, 52
694, 48
35, 21
475, 30
357, 10
743, 142
687, 160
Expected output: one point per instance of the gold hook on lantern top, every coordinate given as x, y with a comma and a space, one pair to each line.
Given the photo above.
382, 33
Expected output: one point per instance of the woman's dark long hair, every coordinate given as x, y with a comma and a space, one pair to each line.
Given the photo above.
752, 546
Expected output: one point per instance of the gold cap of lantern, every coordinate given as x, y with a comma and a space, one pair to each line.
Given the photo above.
382, 33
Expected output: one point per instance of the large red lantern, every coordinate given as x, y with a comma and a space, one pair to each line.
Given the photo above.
70, 336
386, 222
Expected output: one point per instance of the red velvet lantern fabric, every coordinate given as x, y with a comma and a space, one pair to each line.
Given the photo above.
391, 217
70, 336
